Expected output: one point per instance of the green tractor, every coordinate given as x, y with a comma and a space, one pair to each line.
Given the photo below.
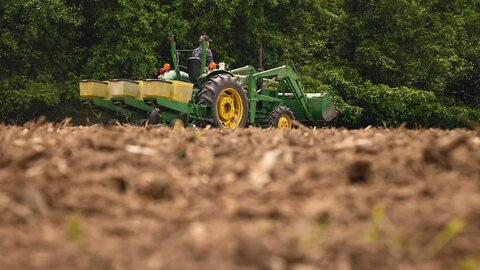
201, 95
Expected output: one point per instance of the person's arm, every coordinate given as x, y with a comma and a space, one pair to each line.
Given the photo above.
209, 56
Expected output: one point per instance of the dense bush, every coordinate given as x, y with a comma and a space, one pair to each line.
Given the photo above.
393, 106
24, 99
363, 103
372, 56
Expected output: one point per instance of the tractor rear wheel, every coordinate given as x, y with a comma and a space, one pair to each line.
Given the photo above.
228, 101
281, 117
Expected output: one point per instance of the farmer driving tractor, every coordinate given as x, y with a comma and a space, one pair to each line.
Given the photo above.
197, 52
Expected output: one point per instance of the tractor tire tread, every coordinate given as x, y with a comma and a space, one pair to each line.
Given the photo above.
276, 113
207, 96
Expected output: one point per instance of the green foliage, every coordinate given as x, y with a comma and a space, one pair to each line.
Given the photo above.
363, 103
385, 62
429, 45
38, 37
128, 36
23, 98
330, 80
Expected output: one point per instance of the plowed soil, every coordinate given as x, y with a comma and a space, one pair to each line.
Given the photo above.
139, 198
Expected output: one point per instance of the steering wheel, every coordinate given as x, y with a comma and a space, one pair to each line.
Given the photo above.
182, 67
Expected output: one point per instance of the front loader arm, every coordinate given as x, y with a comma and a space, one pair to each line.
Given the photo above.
288, 74
246, 70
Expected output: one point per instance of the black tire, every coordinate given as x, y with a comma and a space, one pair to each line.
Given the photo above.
279, 115
213, 95
177, 123
141, 122
112, 123
154, 117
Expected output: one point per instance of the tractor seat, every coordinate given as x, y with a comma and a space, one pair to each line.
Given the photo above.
193, 65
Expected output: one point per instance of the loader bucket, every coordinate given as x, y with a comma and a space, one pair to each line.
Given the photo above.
329, 112
322, 107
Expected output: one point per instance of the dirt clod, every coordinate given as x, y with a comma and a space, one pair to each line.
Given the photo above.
359, 171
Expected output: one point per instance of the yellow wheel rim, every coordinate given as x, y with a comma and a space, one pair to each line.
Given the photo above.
177, 124
284, 122
229, 108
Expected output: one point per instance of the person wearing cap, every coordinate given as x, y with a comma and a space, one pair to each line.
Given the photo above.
197, 52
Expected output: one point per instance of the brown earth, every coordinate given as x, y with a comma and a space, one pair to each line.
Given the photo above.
136, 198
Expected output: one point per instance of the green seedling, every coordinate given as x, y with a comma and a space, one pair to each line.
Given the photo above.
74, 230
470, 264
450, 231
377, 220
313, 237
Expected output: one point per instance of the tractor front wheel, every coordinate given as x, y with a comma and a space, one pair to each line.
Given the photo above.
281, 117
227, 100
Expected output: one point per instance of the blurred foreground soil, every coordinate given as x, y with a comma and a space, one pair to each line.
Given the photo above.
137, 198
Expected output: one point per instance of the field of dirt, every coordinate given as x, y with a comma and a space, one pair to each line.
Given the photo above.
140, 198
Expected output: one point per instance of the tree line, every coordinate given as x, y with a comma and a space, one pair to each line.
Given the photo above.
386, 62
